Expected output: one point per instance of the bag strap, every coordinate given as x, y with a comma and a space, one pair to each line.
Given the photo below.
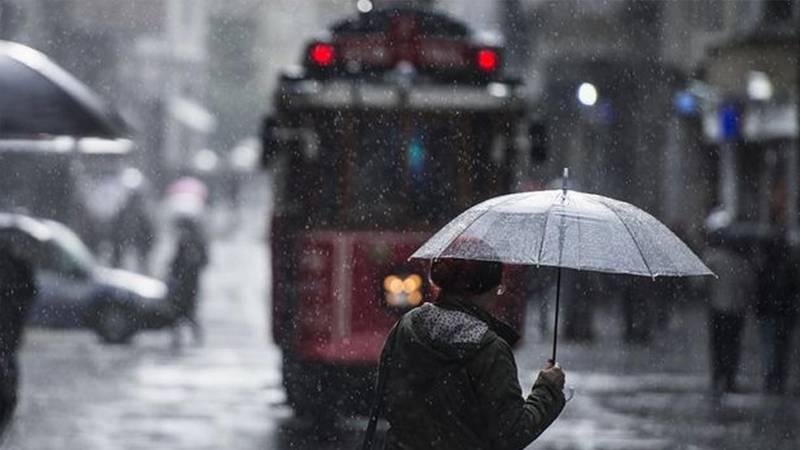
377, 405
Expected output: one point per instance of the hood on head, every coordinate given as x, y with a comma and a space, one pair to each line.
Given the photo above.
438, 337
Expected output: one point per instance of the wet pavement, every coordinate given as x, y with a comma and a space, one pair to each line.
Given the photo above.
657, 397
226, 394
79, 394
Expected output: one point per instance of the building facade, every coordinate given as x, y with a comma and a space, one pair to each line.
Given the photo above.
149, 58
644, 62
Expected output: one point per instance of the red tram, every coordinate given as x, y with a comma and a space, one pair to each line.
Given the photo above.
395, 123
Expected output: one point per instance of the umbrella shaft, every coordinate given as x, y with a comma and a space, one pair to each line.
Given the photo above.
555, 326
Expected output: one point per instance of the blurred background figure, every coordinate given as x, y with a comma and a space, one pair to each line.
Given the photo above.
638, 298
778, 287
132, 228
102, 196
580, 293
776, 309
187, 197
16, 293
729, 298
191, 256
539, 295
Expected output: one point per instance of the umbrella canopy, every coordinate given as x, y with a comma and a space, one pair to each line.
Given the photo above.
563, 228
567, 229
41, 98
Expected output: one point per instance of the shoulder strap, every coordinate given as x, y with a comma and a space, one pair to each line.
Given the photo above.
377, 405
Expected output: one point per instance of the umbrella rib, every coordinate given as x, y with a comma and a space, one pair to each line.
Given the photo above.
544, 233
633, 238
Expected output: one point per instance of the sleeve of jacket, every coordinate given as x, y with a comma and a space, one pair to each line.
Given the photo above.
512, 422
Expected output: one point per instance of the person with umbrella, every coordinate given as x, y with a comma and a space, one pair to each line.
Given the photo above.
448, 378
557, 228
565, 229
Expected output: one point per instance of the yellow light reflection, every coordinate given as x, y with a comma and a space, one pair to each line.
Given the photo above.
403, 292
395, 285
389, 281
412, 283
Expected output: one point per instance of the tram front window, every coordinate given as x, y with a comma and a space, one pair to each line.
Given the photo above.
411, 175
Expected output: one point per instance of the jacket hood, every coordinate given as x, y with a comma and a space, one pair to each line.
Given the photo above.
440, 336
447, 334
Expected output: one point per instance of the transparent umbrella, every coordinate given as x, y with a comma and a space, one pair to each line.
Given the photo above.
563, 228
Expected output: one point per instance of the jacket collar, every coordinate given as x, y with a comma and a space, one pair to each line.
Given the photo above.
504, 330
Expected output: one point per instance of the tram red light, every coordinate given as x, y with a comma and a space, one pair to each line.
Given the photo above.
487, 60
322, 54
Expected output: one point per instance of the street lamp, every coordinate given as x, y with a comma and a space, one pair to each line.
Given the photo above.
587, 94
759, 86
205, 160
364, 6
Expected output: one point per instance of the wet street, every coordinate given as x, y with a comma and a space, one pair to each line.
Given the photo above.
80, 394
226, 394
622, 137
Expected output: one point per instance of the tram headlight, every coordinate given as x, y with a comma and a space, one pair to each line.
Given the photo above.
403, 291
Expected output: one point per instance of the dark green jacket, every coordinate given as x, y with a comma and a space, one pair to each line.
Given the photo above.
452, 383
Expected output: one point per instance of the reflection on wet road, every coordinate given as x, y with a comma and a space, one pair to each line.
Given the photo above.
77, 393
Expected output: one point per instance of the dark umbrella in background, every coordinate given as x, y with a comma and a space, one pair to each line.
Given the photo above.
49, 120
39, 98
563, 228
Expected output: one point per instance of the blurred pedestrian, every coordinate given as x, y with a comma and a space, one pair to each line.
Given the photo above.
191, 256
448, 378
17, 288
672, 293
581, 292
675, 292
638, 308
777, 308
132, 229
729, 298
539, 282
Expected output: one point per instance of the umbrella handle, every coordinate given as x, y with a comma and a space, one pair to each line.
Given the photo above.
555, 325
